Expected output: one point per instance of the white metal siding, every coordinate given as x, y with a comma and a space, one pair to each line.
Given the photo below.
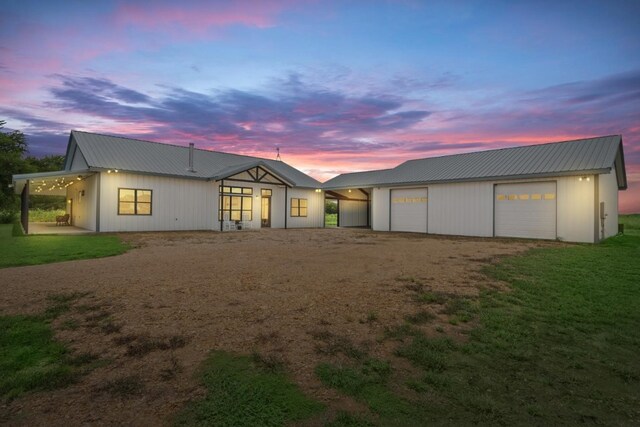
575, 209
526, 210
83, 206
380, 209
409, 210
353, 213
462, 209
177, 204
609, 195
315, 209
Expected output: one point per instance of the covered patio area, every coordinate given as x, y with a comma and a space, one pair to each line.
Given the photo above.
52, 228
54, 184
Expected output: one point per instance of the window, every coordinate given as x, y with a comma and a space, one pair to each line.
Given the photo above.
549, 196
536, 197
236, 204
298, 207
265, 192
524, 197
132, 201
500, 197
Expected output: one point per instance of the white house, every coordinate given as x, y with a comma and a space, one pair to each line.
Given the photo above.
120, 184
565, 190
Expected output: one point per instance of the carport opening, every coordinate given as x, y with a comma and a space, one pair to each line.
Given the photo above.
348, 208
330, 213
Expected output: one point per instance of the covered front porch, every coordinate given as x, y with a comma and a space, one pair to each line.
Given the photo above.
58, 183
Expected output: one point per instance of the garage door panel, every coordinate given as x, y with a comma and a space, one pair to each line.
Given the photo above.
526, 210
409, 210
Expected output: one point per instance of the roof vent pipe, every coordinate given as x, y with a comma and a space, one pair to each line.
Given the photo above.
191, 157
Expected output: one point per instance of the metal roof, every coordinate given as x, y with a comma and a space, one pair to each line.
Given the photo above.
592, 155
135, 155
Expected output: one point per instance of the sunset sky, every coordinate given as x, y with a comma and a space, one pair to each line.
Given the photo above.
338, 86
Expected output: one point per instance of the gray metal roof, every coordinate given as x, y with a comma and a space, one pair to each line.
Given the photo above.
593, 155
134, 155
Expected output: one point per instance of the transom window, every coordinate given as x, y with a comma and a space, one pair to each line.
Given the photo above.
236, 204
236, 190
298, 207
133, 201
265, 192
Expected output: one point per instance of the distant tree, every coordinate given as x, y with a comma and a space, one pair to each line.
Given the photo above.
46, 163
330, 207
13, 146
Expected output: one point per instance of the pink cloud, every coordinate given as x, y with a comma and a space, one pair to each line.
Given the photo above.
198, 18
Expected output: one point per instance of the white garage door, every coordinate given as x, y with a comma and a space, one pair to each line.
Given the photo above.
409, 210
526, 210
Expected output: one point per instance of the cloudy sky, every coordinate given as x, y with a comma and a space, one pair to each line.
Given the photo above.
338, 86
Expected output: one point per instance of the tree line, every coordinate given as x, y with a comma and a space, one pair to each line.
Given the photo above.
15, 159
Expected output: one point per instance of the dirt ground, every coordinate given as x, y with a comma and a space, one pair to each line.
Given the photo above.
268, 291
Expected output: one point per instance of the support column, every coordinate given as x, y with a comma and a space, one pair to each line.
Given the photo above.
220, 211
286, 211
24, 207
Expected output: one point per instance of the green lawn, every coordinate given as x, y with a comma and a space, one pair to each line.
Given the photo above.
560, 348
30, 357
331, 220
631, 224
31, 250
246, 391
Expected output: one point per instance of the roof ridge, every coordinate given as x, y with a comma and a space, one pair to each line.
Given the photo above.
509, 148
372, 170
171, 145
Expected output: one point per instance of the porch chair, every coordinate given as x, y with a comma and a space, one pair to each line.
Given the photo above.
228, 225
246, 221
62, 219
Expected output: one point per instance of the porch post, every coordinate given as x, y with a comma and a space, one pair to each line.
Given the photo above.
24, 207
286, 212
220, 211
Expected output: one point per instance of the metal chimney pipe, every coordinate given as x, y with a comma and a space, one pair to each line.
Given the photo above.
191, 157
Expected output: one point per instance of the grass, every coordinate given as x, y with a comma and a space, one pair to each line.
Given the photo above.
631, 224
30, 359
32, 250
368, 382
240, 391
560, 348
44, 215
330, 220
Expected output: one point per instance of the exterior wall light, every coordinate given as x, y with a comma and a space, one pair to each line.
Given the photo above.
318, 190
109, 171
584, 178
116, 171
349, 190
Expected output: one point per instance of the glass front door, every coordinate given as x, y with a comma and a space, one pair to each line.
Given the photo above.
265, 212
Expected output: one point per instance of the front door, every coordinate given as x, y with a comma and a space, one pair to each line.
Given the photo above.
265, 211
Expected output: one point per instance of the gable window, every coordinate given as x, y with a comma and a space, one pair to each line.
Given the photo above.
133, 201
298, 207
236, 204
